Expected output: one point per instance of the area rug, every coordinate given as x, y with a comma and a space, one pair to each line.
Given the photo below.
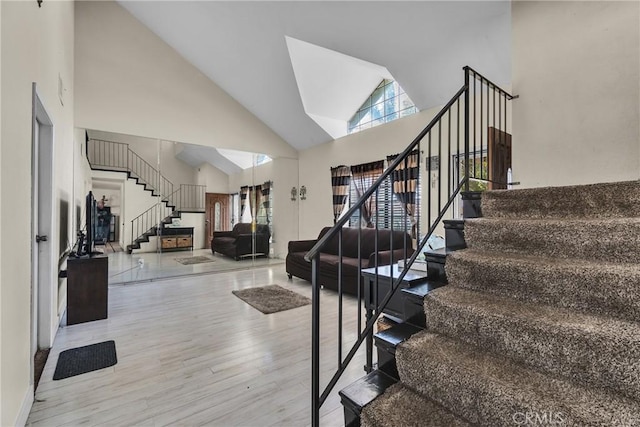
194, 260
272, 298
85, 359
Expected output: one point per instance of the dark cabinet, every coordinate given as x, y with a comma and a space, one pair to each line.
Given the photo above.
386, 275
87, 289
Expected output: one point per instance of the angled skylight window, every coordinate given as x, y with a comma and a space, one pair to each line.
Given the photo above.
388, 102
244, 159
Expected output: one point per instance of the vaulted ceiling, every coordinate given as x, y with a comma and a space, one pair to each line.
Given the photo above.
242, 47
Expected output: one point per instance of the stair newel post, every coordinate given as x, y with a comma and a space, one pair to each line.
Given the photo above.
315, 341
466, 128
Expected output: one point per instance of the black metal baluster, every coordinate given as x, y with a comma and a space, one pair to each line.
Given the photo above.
449, 150
441, 165
466, 128
360, 279
375, 246
481, 129
482, 153
493, 178
404, 217
315, 341
475, 123
339, 297
429, 177
458, 144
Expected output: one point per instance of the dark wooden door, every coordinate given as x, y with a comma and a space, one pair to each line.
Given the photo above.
217, 214
499, 158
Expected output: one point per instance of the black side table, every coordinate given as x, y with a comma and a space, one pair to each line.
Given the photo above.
386, 276
376, 289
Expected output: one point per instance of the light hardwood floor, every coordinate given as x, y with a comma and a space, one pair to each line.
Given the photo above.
191, 353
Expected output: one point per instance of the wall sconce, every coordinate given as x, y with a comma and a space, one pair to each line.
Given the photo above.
303, 193
294, 194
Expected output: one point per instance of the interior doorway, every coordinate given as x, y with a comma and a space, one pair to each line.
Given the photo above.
217, 214
499, 156
43, 283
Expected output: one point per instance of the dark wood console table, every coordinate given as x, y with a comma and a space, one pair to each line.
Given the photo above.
87, 289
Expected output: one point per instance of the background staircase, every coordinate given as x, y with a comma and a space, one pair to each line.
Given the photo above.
118, 157
538, 323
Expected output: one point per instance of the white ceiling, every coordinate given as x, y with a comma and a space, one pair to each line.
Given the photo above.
241, 46
332, 85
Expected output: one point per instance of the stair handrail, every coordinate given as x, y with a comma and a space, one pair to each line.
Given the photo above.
313, 255
192, 197
143, 215
163, 185
166, 202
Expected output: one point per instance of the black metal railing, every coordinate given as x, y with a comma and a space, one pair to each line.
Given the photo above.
456, 145
118, 157
149, 221
191, 198
187, 198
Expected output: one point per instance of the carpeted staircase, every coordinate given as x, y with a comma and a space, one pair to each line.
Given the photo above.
540, 321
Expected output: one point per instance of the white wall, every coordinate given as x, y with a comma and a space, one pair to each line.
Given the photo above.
576, 68
129, 81
283, 172
213, 178
37, 46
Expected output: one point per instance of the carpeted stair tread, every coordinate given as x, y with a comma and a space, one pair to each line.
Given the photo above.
610, 240
489, 390
608, 200
590, 349
602, 288
400, 406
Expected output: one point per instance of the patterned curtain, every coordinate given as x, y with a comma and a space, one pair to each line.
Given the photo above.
405, 183
252, 203
264, 199
340, 180
257, 201
244, 192
364, 176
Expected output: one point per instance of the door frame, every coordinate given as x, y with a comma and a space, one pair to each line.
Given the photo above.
498, 137
44, 312
209, 225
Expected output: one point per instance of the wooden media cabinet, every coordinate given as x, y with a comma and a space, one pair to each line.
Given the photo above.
175, 238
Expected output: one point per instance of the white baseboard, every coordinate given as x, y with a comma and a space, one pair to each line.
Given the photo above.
27, 403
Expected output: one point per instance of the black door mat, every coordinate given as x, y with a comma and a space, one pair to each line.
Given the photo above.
85, 359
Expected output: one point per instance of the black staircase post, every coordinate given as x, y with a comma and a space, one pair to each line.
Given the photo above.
466, 127
315, 341
369, 304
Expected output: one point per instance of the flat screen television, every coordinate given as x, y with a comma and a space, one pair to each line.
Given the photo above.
90, 224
